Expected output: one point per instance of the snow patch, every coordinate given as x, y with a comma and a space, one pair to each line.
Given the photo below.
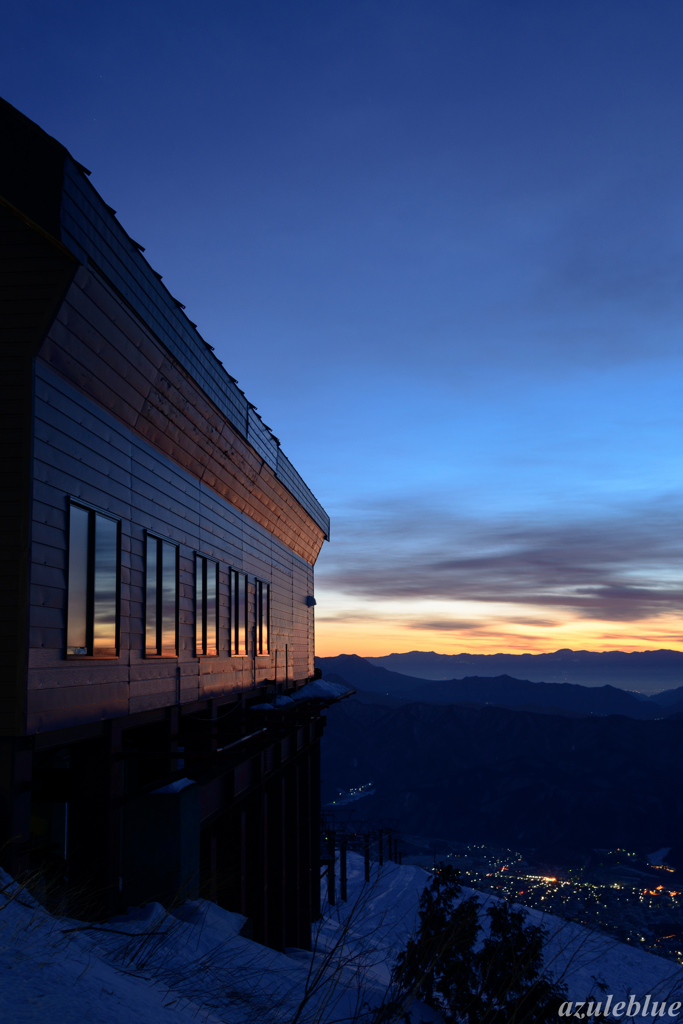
319, 688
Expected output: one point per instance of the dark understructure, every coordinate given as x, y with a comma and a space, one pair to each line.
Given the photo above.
157, 584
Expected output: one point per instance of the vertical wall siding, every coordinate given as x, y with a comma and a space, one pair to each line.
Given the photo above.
82, 451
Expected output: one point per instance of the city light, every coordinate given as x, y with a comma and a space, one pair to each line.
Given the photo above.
627, 908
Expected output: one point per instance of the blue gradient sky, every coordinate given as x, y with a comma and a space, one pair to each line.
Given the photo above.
440, 244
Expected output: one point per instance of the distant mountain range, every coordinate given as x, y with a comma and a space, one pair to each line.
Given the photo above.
503, 691
555, 783
646, 671
556, 766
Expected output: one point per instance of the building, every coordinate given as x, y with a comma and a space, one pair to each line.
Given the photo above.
157, 583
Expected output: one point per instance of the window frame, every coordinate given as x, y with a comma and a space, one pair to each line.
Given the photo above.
202, 567
261, 589
90, 597
237, 602
159, 652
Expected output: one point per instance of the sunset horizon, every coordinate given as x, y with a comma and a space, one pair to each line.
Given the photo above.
329, 647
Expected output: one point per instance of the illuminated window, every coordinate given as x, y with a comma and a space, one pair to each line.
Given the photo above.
262, 617
161, 598
206, 606
238, 613
93, 586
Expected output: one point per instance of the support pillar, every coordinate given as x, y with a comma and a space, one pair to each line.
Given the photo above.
274, 865
293, 897
342, 870
331, 857
90, 821
16, 765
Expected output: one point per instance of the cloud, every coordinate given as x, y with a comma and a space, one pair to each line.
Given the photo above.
350, 616
448, 625
620, 567
524, 620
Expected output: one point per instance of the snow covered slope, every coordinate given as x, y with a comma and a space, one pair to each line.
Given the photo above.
159, 967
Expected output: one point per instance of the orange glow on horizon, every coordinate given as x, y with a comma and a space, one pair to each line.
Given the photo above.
374, 637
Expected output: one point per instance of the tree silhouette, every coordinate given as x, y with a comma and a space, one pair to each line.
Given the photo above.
471, 977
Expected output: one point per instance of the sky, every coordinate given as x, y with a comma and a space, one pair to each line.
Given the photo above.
440, 245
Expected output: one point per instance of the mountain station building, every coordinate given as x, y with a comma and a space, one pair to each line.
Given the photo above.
157, 584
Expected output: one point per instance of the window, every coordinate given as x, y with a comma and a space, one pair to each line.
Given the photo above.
161, 599
262, 617
206, 606
238, 613
93, 586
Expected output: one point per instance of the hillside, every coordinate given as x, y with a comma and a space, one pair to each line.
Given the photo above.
511, 776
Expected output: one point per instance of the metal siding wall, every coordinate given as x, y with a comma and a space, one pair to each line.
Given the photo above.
94, 233
303, 586
97, 344
91, 231
76, 452
81, 450
259, 437
295, 484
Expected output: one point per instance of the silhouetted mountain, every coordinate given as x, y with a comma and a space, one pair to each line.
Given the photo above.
646, 671
366, 697
510, 776
669, 698
504, 690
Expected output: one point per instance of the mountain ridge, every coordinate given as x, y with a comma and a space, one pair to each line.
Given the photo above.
648, 671
502, 691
